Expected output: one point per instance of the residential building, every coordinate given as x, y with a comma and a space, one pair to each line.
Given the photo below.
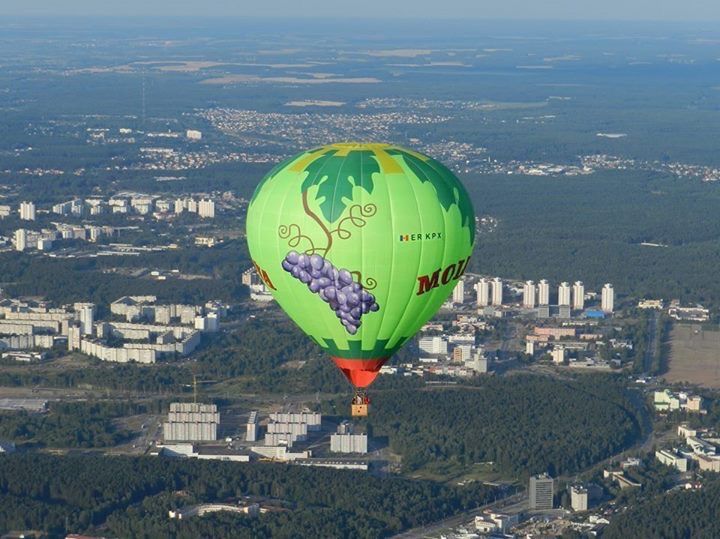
458, 295
656, 304
578, 498
497, 292
482, 288
349, 443
206, 208
667, 401
564, 294
21, 237
578, 295
544, 292
433, 345
27, 211
607, 303
193, 422
86, 315
529, 295
462, 353
558, 355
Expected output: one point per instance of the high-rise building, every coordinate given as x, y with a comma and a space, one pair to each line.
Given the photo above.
541, 492
578, 498
529, 295
458, 295
544, 292
20, 239
578, 295
608, 298
497, 291
193, 422
564, 294
27, 211
86, 315
483, 292
206, 208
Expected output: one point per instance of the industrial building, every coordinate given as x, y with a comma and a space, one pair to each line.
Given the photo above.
25, 404
541, 492
491, 522
193, 422
670, 458
252, 427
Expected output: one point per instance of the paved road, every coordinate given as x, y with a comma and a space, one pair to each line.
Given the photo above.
515, 503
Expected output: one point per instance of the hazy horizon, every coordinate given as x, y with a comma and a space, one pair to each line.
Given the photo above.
557, 10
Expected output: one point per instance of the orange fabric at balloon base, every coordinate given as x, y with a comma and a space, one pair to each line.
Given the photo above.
360, 372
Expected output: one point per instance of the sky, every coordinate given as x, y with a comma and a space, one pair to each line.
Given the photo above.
665, 10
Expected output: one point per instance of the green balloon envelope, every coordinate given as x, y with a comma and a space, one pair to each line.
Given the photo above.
397, 221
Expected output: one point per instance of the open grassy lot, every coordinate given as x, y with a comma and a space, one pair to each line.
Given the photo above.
694, 356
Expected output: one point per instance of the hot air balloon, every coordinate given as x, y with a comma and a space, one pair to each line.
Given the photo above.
360, 244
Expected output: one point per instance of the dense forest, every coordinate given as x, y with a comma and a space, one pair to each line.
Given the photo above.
523, 424
71, 424
590, 228
268, 354
678, 515
89, 279
161, 378
130, 497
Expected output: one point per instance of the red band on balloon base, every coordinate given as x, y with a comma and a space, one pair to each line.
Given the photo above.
360, 372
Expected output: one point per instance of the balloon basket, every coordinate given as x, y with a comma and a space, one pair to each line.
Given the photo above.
359, 410
360, 403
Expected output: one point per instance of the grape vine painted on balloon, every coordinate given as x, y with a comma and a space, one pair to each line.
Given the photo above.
336, 287
343, 290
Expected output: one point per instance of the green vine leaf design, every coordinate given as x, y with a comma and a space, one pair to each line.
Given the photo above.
277, 168
336, 176
445, 185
